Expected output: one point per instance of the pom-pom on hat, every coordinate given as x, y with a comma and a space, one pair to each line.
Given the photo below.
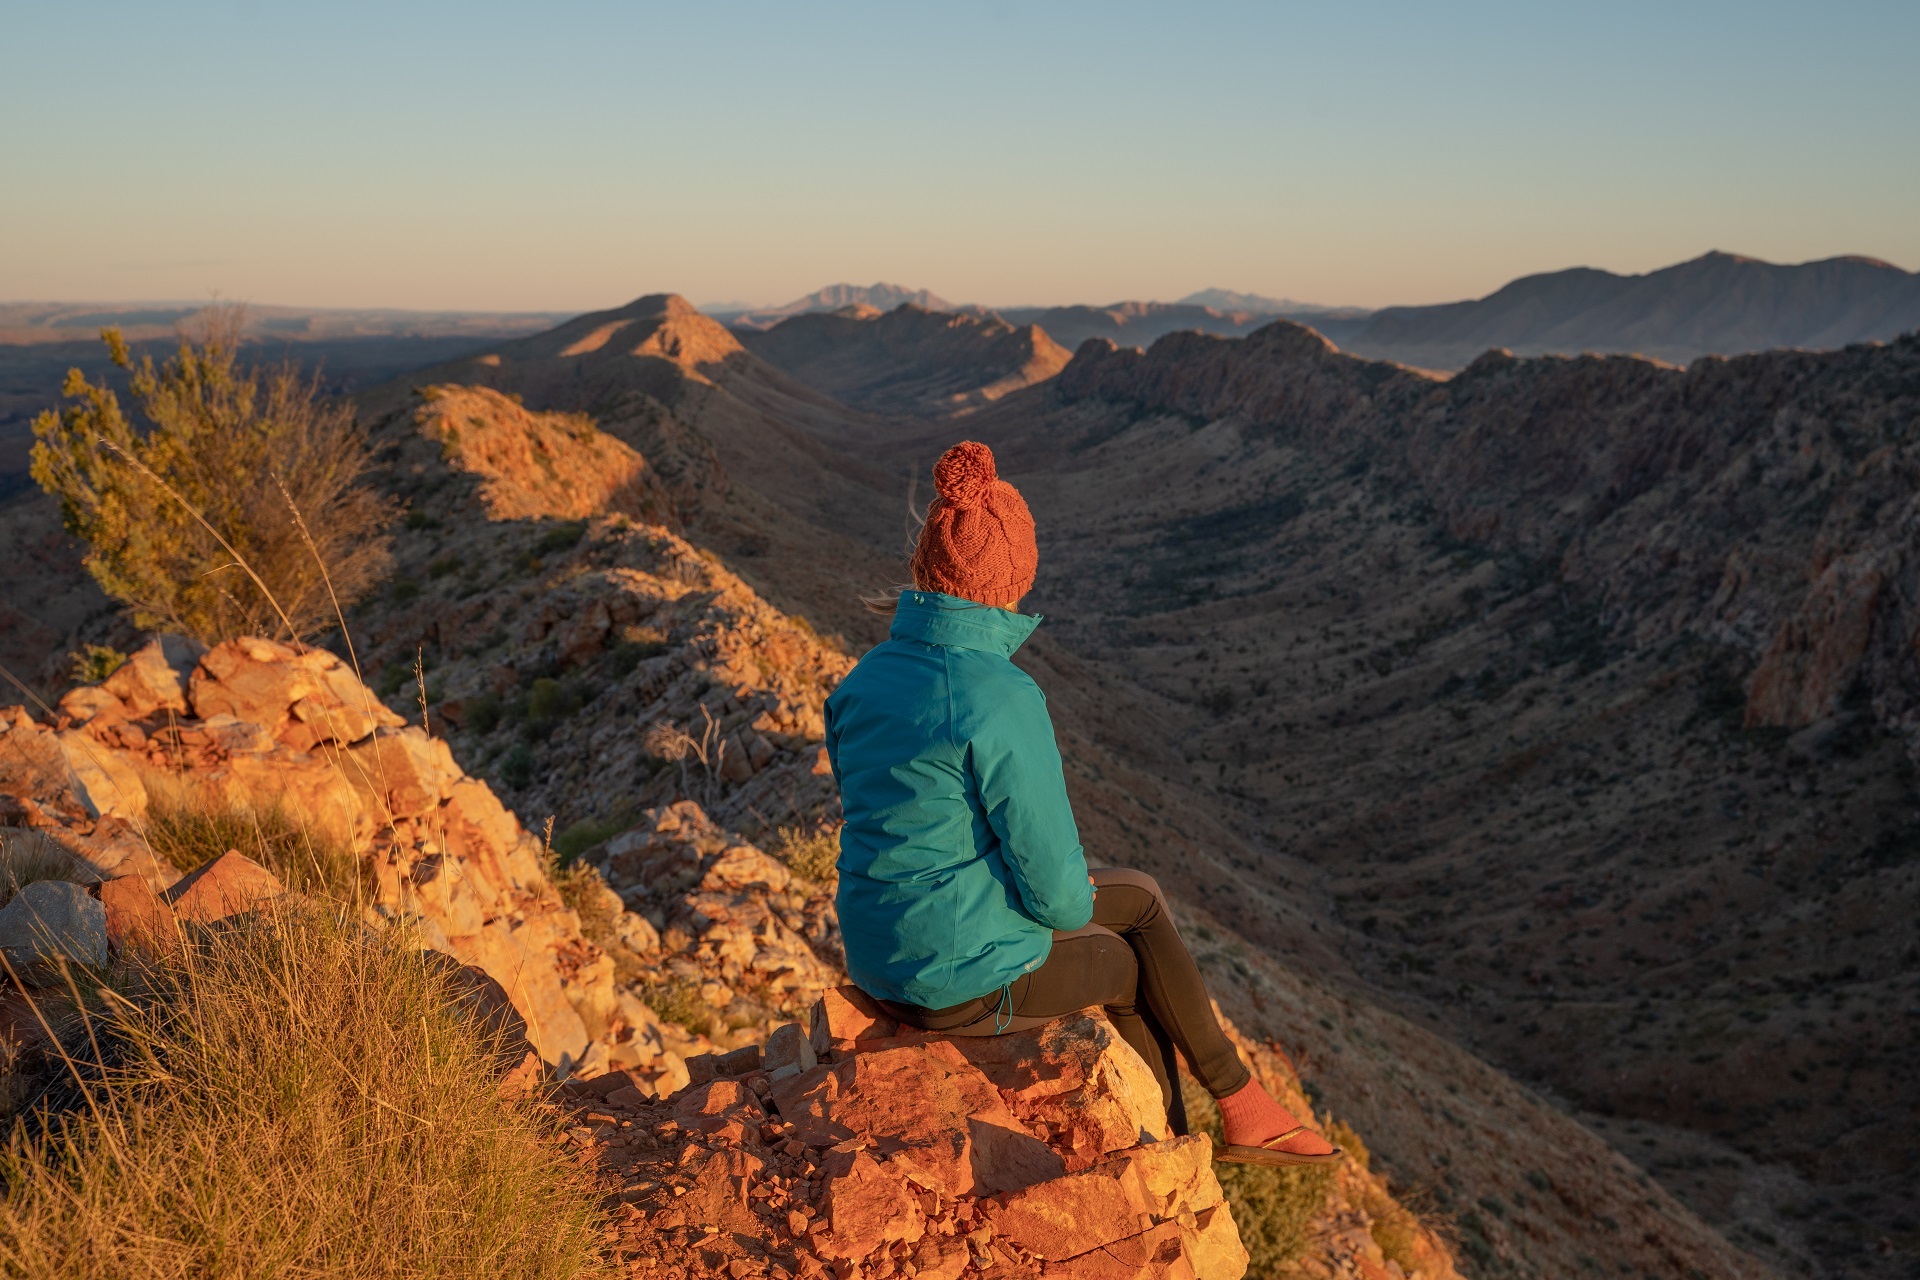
977, 542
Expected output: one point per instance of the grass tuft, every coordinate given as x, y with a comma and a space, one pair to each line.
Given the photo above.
290, 1096
187, 828
27, 856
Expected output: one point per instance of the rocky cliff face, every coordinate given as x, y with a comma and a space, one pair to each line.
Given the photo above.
1765, 502
1588, 686
1043, 1152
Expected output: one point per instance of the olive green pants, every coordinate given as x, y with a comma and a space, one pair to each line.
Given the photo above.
1131, 961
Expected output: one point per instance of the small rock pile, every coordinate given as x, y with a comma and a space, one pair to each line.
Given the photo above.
859, 1148
735, 923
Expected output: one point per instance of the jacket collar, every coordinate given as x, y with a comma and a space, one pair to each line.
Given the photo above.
933, 618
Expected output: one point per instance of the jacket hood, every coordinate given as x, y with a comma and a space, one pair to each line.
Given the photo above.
932, 617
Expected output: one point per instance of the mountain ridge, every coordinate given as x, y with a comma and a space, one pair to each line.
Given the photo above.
910, 359
1716, 304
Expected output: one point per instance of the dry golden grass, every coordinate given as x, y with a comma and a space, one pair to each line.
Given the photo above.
292, 1097
188, 828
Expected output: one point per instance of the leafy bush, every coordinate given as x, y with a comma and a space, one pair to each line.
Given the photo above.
562, 537
1273, 1207
581, 836
516, 767
229, 447
95, 663
642, 643
293, 1096
548, 703
811, 855
677, 1000
483, 713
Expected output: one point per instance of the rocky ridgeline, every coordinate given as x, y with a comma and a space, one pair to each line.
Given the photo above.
256, 724
856, 1147
595, 667
853, 1148
909, 359
1765, 502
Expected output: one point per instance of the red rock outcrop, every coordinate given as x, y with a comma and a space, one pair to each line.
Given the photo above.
254, 723
916, 1154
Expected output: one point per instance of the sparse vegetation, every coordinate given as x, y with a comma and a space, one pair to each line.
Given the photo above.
188, 829
27, 856
564, 536
1394, 1226
1273, 1207
293, 1097
809, 854
516, 767
581, 836
180, 512
95, 663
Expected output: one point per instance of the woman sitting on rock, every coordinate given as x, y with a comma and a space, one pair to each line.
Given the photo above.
965, 900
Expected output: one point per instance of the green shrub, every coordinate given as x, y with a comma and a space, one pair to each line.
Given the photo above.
562, 537
231, 447
292, 1096
95, 663
392, 677
677, 1000
548, 703
581, 836
483, 713
809, 854
633, 651
516, 767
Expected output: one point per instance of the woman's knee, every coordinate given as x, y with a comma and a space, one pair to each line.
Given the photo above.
1128, 899
1127, 877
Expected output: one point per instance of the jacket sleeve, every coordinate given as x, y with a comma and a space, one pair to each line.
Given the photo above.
1016, 765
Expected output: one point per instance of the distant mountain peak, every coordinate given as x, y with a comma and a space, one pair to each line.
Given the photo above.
1233, 300
880, 296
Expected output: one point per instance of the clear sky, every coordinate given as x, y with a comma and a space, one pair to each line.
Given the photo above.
566, 155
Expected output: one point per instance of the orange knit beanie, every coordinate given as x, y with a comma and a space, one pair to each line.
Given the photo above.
977, 542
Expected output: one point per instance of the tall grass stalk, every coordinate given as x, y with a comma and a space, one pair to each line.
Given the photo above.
289, 1097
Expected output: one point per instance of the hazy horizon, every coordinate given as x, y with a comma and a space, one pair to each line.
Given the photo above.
428, 157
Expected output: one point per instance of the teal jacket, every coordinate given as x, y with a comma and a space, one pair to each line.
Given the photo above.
960, 856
